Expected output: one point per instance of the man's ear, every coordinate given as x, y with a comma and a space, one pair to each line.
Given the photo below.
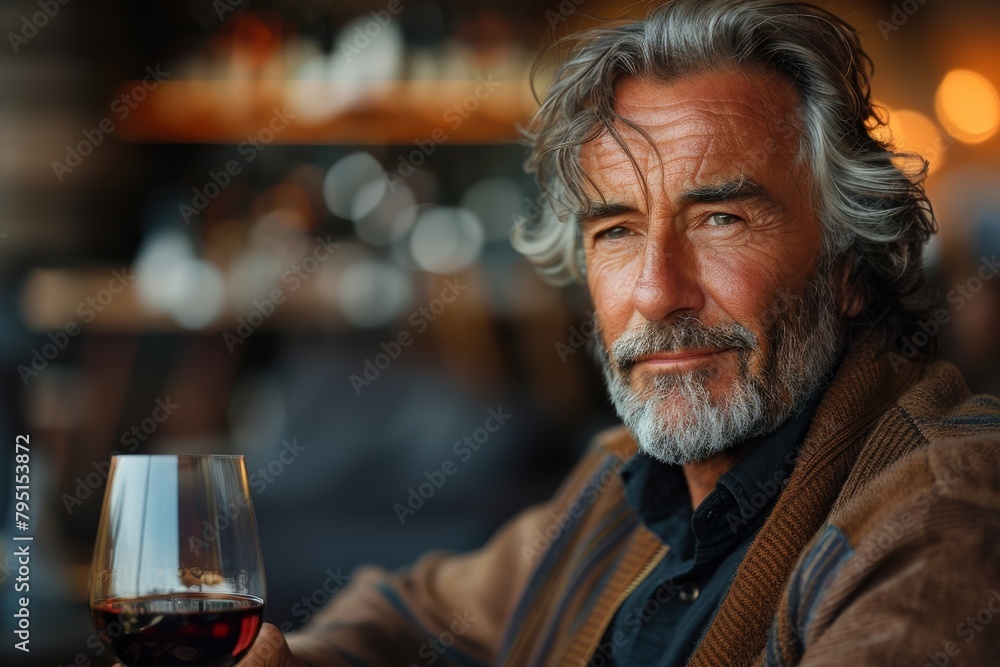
850, 295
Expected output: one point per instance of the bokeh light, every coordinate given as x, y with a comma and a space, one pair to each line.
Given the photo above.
390, 219
495, 200
968, 107
367, 198
253, 273
160, 252
914, 132
197, 293
369, 49
171, 280
446, 239
371, 293
354, 185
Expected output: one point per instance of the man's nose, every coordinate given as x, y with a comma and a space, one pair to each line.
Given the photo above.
668, 283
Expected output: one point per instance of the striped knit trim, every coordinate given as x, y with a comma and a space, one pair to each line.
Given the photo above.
639, 548
607, 541
977, 411
392, 597
773, 653
805, 591
641, 554
598, 539
605, 546
452, 652
553, 568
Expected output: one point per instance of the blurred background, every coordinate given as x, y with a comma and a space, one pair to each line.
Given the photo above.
281, 229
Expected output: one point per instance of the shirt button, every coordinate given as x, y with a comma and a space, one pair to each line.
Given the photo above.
689, 593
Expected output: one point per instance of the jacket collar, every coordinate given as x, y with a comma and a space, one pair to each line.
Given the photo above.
862, 390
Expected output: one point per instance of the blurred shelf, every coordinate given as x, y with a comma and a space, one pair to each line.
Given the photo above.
97, 301
474, 111
86, 299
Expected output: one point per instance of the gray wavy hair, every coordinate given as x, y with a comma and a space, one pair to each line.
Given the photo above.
875, 216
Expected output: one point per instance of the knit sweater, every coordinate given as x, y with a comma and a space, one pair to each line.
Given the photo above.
883, 548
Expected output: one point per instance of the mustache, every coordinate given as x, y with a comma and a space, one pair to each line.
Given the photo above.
687, 333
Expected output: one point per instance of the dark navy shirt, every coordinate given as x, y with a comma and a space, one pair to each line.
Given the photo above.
660, 623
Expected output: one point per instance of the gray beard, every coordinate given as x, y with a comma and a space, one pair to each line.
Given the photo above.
678, 421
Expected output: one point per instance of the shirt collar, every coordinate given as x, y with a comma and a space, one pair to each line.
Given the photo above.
740, 501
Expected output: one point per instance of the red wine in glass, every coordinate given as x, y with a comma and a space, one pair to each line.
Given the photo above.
177, 577
179, 630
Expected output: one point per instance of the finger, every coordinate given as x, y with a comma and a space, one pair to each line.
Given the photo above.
269, 650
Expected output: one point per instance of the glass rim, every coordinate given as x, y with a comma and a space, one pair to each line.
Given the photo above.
178, 456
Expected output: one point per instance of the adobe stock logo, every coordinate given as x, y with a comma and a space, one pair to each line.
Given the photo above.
901, 13
217, 181
266, 306
122, 106
959, 296
463, 449
88, 309
455, 116
130, 440
362, 38
968, 629
578, 338
31, 25
420, 319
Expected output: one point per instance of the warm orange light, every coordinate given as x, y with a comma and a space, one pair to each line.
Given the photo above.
968, 106
914, 132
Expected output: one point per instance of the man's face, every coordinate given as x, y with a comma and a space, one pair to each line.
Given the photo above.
717, 315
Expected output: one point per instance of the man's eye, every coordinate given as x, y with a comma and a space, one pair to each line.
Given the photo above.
722, 219
614, 233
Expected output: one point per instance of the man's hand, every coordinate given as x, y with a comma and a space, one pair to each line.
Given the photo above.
270, 650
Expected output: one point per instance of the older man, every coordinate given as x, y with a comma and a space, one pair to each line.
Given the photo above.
789, 489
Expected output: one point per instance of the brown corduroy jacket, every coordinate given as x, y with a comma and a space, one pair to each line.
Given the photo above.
883, 548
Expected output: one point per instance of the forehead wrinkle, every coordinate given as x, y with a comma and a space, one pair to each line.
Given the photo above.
696, 122
759, 105
689, 157
694, 158
697, 108
618, 180
610, 162
764, 109
705, 141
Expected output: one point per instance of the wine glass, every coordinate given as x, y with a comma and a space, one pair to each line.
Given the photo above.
177, 578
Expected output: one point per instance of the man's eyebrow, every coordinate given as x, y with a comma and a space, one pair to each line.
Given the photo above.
741, 189
735, 190
597, 210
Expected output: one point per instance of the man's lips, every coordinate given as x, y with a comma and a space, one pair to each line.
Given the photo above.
679, 360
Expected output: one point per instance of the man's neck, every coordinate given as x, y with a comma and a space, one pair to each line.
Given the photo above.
701, 476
